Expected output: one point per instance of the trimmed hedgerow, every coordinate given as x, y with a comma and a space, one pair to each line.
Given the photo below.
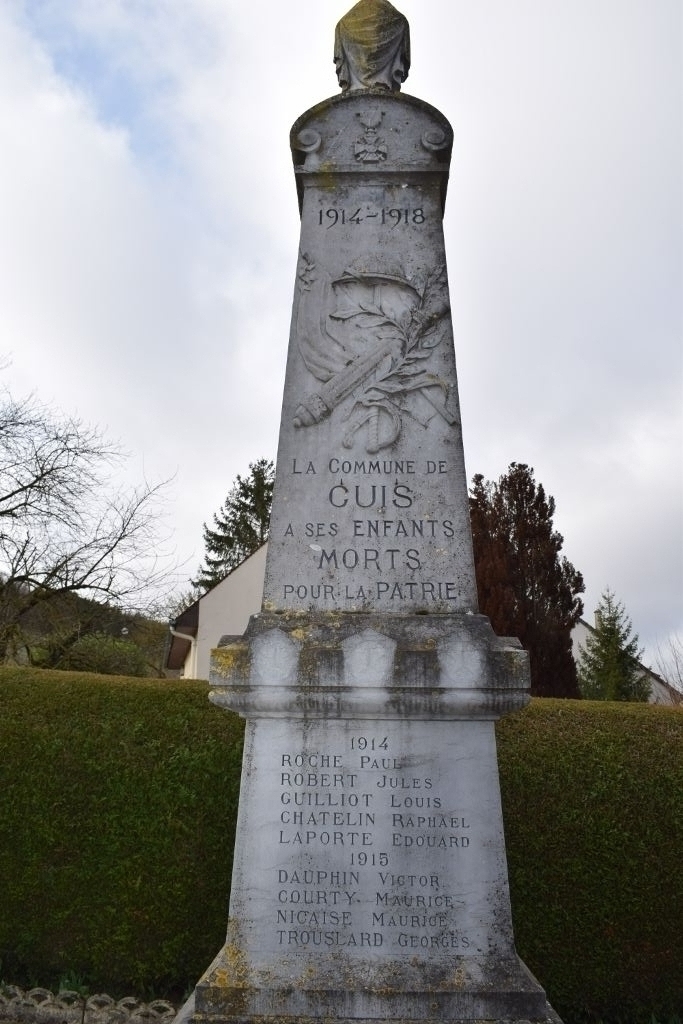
593, 806
118, 801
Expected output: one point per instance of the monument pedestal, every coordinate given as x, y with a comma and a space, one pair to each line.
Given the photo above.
369, 879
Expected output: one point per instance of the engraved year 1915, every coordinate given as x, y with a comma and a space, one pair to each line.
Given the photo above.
333, 217
362, 859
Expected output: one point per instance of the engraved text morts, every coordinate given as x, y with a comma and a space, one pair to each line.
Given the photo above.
370, 880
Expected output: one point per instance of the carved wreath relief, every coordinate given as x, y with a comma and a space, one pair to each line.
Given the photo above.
371, 335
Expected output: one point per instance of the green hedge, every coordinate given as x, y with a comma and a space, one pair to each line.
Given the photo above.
593, 805
118, 800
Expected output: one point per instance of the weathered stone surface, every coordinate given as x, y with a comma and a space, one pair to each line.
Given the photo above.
377, 853
369, 879
370, 666
372, 47
370, 507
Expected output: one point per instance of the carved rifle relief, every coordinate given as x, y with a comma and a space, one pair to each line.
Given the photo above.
373, 341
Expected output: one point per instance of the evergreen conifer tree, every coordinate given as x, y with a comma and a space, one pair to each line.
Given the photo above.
525, 587
609, 662
240, 526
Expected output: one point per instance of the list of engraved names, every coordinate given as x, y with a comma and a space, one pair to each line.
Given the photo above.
349, 825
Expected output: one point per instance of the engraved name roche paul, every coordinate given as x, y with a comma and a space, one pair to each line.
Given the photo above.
346, 819
367, 511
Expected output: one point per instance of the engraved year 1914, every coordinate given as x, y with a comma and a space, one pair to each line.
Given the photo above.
369, 743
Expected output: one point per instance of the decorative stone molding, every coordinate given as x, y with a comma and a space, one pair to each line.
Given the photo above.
41, 1006
368, 666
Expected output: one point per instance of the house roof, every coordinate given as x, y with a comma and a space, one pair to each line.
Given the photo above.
187, 622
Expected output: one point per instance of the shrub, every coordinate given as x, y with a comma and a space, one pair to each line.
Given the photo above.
104, 654
118, 802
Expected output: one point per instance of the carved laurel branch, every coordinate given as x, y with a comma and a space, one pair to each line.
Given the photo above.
399, 376
306, 275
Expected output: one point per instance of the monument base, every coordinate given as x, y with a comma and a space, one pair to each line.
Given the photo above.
369, 878
496, 992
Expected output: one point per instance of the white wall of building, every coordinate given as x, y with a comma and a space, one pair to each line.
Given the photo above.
226, 610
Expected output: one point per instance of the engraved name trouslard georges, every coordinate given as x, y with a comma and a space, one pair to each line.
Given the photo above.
374, 338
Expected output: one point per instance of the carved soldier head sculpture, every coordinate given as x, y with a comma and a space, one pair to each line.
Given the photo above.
372, 47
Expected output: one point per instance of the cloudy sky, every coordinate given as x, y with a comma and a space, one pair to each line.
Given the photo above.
149, 231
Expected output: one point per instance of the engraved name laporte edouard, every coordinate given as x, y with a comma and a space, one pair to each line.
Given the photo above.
369, 335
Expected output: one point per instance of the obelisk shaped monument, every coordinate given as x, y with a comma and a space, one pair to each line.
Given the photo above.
370, 879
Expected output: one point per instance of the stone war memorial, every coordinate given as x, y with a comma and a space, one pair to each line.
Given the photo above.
370, 879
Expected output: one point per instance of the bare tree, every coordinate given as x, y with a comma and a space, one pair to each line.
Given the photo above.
669, 662
65, 524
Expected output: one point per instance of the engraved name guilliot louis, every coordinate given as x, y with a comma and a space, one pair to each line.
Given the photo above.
370, 334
